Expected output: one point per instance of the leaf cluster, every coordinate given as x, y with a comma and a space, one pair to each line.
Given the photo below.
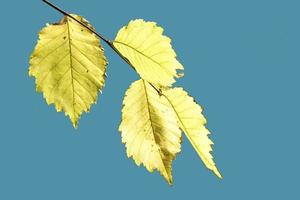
69, 67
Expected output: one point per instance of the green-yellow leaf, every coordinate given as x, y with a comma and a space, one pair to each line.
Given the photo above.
148, 51
149, 129
192, 122
69, 65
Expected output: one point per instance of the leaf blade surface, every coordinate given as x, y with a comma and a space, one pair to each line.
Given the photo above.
149, 52
192, 123
149, 129
69, 66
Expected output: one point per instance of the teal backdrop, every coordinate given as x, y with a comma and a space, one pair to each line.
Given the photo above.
241, 63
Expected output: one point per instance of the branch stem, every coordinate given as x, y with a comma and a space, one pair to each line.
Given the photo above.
107, 41
67, 14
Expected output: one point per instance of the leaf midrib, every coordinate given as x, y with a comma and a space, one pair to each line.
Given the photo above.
187, 132
166, 70
71, 66
150, 118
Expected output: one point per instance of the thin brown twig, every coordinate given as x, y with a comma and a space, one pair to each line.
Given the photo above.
107, 41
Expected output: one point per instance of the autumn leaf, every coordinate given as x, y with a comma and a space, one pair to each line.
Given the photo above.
191, 122
148, 51
69, 65
149, 129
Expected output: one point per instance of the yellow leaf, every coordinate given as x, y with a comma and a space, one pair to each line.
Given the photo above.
69, 65
192, 122
148, 51
149, 129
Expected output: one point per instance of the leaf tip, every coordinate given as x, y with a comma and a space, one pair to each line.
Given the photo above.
217, 173
169, 179
170, 182
75, 126
74, 122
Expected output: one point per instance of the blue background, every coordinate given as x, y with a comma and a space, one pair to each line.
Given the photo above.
241, 63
